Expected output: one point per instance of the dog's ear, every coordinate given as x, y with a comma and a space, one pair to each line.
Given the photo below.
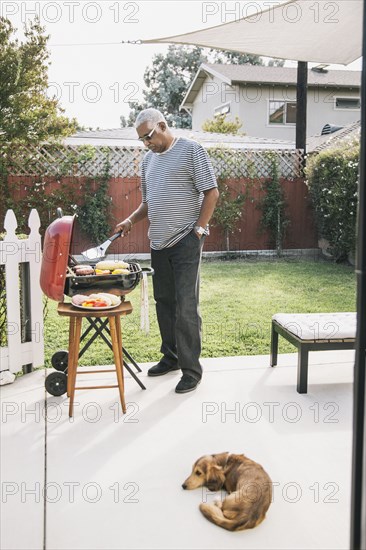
215, 478
220, 459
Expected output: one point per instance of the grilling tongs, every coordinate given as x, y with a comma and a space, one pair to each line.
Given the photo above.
99, 251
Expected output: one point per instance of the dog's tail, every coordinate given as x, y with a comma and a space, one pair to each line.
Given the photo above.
214, 513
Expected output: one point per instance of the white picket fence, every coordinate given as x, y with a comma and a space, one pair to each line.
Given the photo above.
13, 253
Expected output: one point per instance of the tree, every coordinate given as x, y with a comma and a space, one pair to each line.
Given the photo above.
26, 113
276, 62
123, 121
167, 81
222, 126
236, 58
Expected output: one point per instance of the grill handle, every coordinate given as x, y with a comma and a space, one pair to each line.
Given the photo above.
148, 270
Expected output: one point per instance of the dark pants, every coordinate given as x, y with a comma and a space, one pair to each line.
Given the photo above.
176, 292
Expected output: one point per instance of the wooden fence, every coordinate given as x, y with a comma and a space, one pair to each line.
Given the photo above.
23, 312
242, 169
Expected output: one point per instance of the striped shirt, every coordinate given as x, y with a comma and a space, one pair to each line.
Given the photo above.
172, 185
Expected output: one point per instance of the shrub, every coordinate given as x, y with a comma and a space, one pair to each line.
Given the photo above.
230, 206
229, 209
94, 214
332, 181
273, 206
87, 197
222, 126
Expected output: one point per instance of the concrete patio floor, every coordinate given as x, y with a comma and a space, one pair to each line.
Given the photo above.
114, 482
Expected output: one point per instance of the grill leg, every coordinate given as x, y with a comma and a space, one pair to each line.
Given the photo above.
86, 332
124, 351
127, 366
98, 331
132, 360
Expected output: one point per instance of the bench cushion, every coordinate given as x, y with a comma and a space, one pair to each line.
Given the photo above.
319, 326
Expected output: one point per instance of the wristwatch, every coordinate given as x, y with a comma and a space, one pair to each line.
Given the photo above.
200, 230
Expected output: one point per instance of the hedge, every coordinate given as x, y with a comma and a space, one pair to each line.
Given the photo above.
332, 178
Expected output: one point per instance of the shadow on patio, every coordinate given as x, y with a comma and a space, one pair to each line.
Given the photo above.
114, 482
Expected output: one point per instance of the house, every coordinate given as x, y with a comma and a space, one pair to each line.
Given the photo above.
264, 98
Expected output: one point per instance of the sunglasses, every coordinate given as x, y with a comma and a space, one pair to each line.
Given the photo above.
148, 136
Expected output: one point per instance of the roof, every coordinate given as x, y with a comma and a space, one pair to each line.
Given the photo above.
272, 76
352, 131
126, 137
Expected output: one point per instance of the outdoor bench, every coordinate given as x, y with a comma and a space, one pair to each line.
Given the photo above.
312, 332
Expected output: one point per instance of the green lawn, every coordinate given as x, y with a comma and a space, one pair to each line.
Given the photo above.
238, 299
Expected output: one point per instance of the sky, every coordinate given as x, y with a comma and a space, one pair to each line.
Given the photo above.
92, 73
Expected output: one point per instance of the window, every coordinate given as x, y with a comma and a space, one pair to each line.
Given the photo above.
282, 112
222, 110
347, 103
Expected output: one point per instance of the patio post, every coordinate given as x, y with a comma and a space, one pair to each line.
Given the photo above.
358, 497
301, 106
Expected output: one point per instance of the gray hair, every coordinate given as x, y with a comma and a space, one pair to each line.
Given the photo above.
149, 115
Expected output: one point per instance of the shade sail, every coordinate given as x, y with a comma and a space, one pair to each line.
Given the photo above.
299, 30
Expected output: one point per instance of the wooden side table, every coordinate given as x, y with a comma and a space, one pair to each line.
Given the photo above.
76, 316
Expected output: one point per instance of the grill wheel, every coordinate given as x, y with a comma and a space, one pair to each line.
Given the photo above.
56, 383
60, 359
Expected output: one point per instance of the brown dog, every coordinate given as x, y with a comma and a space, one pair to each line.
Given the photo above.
248, 485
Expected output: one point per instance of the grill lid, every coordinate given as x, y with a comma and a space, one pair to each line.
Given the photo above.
56, 250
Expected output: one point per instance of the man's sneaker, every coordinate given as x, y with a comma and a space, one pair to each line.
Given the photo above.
160, 369
187, 383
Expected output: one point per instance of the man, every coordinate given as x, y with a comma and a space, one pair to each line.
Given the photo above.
179, 194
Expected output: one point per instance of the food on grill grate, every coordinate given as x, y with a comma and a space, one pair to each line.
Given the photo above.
120, 271
112, 265
83, 270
